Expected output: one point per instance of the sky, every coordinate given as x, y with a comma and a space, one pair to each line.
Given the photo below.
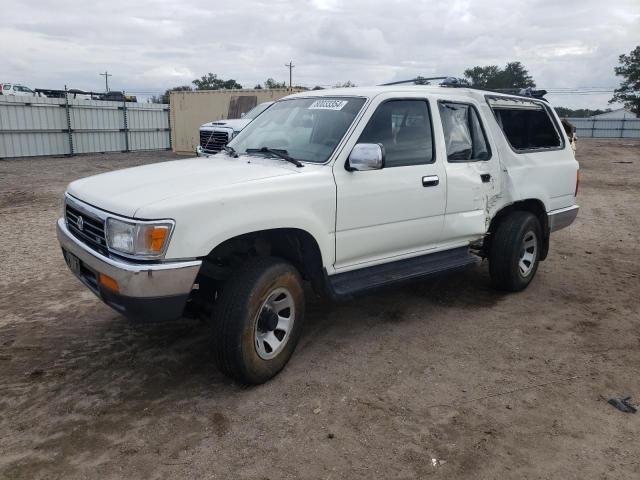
149, 46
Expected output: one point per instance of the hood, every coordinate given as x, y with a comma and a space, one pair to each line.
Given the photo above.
235, 124
124, 192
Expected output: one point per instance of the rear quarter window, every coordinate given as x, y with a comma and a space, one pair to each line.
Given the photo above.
527, 125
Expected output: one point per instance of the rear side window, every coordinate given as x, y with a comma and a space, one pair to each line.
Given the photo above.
526, 124
463, 133
403, 127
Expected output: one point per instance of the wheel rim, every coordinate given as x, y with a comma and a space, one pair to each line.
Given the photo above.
274, 323
528, 253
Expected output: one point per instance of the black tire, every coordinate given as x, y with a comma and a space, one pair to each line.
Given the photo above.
507, 246
239, 311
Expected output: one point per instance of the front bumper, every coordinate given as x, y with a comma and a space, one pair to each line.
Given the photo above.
562, 217
146, 291
201, 152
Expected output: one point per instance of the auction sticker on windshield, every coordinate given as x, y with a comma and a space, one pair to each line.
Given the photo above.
328, 104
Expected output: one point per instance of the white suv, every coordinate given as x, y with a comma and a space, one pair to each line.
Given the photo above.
348, 189
14, 89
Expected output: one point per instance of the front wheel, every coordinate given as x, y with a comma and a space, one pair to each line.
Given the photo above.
258, 320
515, 251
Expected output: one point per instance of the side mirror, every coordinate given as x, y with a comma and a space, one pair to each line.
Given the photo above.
366, 156
242, 114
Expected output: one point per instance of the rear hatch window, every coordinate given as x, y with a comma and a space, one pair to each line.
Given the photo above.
526, 124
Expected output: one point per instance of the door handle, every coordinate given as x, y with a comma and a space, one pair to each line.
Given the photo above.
430, 181
485, 177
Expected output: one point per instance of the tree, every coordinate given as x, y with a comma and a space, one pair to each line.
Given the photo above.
347, 84
629, 91
164, 98
210, 81
483, 77
578, 113
514, 75
258, 87
271, 83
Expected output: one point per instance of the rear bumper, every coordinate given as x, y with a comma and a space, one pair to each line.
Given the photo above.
149, 292
562, 217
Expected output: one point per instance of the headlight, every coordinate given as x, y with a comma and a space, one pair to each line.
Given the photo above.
235, 133
148, 239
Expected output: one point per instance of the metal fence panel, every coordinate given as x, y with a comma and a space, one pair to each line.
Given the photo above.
34, 128
606, 127
31, 126
147, 125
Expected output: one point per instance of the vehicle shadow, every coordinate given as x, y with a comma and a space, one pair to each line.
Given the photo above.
146, 362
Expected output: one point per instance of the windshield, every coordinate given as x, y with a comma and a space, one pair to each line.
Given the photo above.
307, 129
257, 110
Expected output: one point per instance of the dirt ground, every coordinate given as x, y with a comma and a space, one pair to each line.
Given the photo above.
442, 378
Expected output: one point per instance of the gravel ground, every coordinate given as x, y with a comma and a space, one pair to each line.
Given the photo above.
442, 378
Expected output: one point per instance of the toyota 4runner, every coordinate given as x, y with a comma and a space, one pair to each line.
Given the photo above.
346, 189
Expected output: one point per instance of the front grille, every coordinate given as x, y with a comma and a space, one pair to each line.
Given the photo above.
213, 140
92, 232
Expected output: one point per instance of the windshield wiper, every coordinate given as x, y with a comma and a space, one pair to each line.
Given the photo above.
278, 153
231, 151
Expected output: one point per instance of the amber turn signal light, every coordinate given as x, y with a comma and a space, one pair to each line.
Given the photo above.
109, 283
156, 237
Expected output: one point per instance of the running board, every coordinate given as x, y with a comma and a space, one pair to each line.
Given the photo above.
354, 281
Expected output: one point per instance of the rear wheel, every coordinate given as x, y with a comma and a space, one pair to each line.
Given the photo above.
258, 320
515, 251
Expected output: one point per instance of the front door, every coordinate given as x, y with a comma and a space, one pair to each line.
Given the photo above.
397, 211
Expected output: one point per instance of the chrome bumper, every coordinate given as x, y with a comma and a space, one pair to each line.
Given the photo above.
151, 291
201, 152
562, 217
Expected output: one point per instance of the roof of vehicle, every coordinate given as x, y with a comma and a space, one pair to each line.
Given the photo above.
370, 92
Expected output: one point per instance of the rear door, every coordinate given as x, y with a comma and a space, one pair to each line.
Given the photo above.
397, 211
537, 155
472, 168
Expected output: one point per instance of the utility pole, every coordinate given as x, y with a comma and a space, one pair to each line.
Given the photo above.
290, 66
106, 76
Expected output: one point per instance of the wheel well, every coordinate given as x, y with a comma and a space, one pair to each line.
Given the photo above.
530, 205
292, 244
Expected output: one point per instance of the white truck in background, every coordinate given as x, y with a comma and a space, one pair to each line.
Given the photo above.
215, 135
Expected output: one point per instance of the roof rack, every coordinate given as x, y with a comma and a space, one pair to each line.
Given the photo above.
446, 81
455, 82
520, 92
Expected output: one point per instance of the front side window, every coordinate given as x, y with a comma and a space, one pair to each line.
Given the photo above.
307, 129
463, 133
526, 124
403, 127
